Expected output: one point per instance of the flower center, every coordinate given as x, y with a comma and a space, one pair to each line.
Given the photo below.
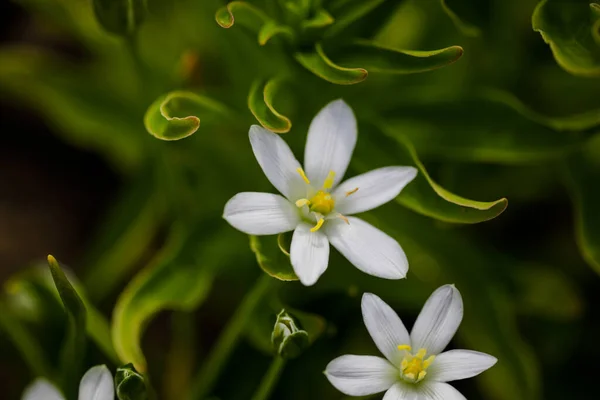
322, 202
413, 367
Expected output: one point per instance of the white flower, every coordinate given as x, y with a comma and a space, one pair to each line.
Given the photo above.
416, 368
96, 384
316, 206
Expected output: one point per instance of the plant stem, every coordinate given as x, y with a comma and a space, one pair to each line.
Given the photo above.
226, 342
270, 379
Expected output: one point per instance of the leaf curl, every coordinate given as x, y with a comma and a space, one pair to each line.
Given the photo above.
319, 64
570, 28
260, 103
174, 116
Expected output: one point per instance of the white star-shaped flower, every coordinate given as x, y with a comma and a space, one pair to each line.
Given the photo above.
416, 368
96, 384
316, 206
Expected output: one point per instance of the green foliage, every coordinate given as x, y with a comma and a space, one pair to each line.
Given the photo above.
569, 27
121, 17
271, 258
260, 103
75, 342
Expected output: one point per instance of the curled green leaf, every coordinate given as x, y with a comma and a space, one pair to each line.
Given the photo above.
571, 30
379, 58
464, 27
271, 258
121, 17
179, 277
174, 115
319, 64
423, 194
272, 29
243, 13
260, 103
320, 19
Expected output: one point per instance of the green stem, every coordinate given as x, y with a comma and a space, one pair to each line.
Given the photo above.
270, 379
220, 353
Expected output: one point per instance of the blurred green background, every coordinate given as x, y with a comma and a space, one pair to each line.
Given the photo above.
136, 221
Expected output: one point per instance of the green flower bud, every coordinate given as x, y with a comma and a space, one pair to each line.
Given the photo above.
130, 384
288, 339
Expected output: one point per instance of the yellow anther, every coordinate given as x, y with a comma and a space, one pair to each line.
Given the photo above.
421, 353
319, 224
421, 375
404, 364
329, 181
428, 362
351, 192
343, 218
303, 175
410, 376
302, 202
404, 347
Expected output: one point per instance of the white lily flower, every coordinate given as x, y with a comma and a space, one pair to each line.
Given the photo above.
96, 384
316, 206
414, 367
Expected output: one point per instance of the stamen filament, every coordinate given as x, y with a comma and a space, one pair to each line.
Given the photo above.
343, 218
303, 175
319, 224
351, 192
329, 181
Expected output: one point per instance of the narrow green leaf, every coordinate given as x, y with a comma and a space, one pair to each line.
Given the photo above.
317, 62
73, 349
260, 102
320, 19
423, 194
178, 278
29, 348
272, 29
175, 115
488, 127
271, 258
596, 26
121, 17
379, 58
568, 27
582, 173
464, 27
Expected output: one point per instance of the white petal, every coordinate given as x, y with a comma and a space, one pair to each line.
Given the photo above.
385, 327
439, 391
261, 213
277, 162
438, 321
309, 254
402, 391
97, 384
375, 188
459, 364
361, 375
41, 389
368, 248
330, 143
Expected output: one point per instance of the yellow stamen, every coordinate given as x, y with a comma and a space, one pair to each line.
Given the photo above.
421, 353
410, 376
404, 347
343, 218
303, 175
322, 203
428, 362
421, 375
329, 181
319, 224
302, 202
351, 192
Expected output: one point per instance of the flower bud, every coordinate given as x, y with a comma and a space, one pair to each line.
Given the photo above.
288, 339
